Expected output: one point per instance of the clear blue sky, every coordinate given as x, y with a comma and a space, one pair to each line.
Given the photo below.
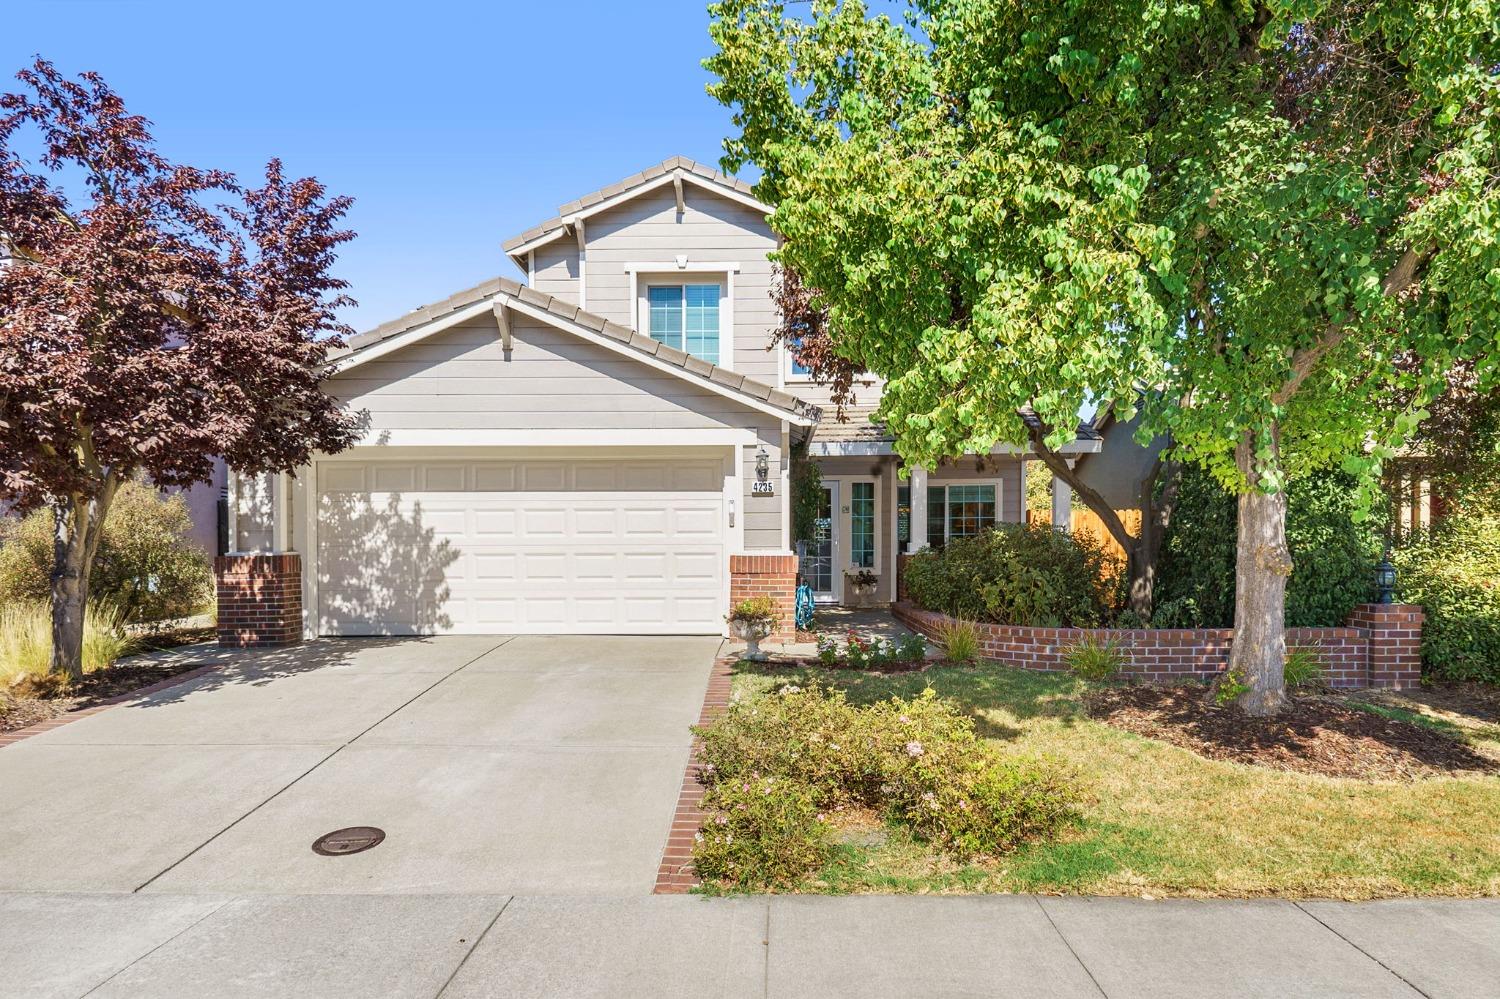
452, 125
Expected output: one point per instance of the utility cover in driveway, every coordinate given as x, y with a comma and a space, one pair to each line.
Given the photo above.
355, 839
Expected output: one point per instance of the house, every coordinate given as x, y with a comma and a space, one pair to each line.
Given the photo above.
603, 448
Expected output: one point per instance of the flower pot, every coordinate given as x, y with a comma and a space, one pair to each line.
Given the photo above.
751, 632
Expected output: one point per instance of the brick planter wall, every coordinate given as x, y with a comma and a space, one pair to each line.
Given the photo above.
1379, 648
260, 599
1395, 632
773, 576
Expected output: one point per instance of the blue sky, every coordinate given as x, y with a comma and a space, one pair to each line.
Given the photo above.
453, 125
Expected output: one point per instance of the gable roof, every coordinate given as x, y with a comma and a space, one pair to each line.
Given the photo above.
673, 169
504, 293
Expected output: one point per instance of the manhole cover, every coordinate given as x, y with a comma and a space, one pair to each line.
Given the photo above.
351, 840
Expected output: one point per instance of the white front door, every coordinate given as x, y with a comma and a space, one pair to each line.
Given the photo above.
590, 545
820, 568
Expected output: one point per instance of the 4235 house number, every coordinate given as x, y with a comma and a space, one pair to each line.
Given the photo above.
763, 487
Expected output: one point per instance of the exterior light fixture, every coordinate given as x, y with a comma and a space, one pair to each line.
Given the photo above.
762, 463
1385, 580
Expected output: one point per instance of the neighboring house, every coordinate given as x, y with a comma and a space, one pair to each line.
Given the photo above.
603, 449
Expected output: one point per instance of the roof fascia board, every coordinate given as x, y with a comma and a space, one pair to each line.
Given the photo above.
418, 333
835, 449
675, 176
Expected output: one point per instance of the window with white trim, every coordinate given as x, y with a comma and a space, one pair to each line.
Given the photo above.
685, 316
960, 511
795, 368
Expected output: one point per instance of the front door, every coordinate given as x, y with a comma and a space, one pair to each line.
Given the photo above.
818, 566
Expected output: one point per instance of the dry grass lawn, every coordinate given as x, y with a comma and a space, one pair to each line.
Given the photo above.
1161, 821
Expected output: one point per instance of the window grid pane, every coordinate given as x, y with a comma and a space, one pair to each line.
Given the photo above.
702, 306
971, 510
936, 517
798, 368
862, 524
666, 314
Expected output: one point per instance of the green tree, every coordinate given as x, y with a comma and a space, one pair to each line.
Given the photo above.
1252, 208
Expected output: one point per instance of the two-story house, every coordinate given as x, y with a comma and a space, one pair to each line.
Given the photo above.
604, 448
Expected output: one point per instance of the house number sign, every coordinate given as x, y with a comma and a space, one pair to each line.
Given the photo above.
763, 487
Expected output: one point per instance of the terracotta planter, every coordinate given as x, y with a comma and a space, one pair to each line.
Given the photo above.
751, 633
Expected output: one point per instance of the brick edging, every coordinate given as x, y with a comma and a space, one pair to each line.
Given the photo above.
16, 735
675, 875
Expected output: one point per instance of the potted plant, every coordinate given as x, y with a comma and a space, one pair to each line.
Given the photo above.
862, 581
752, 620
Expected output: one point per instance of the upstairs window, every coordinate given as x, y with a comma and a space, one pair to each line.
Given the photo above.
797, 368
686, 316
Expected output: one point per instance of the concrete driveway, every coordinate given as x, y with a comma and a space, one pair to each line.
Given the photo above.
538, 765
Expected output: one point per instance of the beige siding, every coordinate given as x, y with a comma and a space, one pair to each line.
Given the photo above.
866, 394
459, 379
764, 514
713, 229
556, 270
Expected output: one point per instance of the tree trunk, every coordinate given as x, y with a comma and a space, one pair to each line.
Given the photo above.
1262, 566
77, 525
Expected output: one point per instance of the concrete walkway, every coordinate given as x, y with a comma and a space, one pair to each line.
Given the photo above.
530, 765
331, 946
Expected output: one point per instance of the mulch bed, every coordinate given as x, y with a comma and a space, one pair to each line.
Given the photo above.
1315, 735
803, 662
94, 688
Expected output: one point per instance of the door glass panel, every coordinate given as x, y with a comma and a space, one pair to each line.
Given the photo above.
817, 566
862, 524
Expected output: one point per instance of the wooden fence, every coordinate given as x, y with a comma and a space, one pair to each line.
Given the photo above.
1087, 523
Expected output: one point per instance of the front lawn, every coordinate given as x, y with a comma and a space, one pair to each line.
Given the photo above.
1160, 820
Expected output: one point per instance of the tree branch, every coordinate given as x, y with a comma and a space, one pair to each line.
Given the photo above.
1397, 280
1058, 465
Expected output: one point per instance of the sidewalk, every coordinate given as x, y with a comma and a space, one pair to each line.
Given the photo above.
329, 946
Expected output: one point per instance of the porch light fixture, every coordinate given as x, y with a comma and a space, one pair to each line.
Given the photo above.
762, 464
1385, 580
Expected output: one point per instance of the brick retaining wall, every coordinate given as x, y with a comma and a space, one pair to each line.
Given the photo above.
260, 599
1381, 647
773, 576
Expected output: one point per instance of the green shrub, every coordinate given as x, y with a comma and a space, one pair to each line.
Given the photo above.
1455, 575
145, 564
1333, 556
761, 833
1095, 658
777, 765
1017, 574
1303, 668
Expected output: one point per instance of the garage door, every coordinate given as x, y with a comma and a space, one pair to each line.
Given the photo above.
628, 546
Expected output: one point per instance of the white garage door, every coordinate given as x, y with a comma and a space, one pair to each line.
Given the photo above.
632, 546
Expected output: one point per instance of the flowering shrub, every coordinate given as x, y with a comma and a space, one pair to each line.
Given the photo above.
761, 832
776, 766
869, 653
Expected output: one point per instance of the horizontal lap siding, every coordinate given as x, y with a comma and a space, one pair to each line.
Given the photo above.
712, 230
556, 269
460, 380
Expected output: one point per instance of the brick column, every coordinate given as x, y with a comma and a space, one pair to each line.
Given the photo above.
260, 599
773, 576
1395, 637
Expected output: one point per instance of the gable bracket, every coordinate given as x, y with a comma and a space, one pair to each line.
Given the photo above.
677, 189
502, 319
